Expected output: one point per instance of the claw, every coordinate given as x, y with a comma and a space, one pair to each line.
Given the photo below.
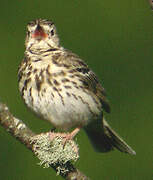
66, 136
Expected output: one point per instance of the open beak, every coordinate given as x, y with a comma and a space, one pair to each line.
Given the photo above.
39, 33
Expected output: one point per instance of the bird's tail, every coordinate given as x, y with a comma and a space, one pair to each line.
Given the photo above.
104, 138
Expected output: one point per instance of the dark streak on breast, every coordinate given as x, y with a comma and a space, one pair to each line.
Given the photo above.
76, 87
55, 89
52, 95
49, 81
68, 87
29, 73
87, 105
72, 71
38, 82
83, 70
26, 82
35, 70
61, 98
29, 67
68, 94
47, 70
37, 60
20, 75
74, 96
85, 83
22, 92
30, 90
52, 49
56, 56
60, 64
66, 66
55, 62
73, 82
65, 80
56, 82
62, 73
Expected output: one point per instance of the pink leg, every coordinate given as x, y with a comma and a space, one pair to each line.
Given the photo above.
74, 133
65, 136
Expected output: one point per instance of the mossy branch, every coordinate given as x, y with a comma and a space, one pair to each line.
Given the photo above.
22, 133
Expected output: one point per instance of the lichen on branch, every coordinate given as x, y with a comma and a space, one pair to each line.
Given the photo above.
62, 164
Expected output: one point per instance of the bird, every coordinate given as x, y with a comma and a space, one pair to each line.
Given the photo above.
58, 86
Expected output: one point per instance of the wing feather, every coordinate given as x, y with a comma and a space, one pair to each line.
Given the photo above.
89, 80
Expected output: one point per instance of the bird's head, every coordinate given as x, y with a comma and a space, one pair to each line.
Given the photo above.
41, 35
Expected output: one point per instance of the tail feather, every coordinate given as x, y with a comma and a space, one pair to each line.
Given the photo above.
105, 139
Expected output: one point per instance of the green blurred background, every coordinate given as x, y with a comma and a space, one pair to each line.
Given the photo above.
115, 38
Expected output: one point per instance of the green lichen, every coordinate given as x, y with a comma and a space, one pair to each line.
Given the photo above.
54, 152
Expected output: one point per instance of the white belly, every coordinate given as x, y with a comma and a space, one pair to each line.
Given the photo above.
68, 105
64, 109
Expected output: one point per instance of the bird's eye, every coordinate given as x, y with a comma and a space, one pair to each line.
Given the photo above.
50, 24
32, 23
52, 32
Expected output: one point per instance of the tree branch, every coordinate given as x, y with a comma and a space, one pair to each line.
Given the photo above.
22, 133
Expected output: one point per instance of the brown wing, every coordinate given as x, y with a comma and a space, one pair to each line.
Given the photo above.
88, 78
90, 81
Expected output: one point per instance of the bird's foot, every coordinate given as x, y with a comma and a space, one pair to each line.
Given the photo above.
65, 136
